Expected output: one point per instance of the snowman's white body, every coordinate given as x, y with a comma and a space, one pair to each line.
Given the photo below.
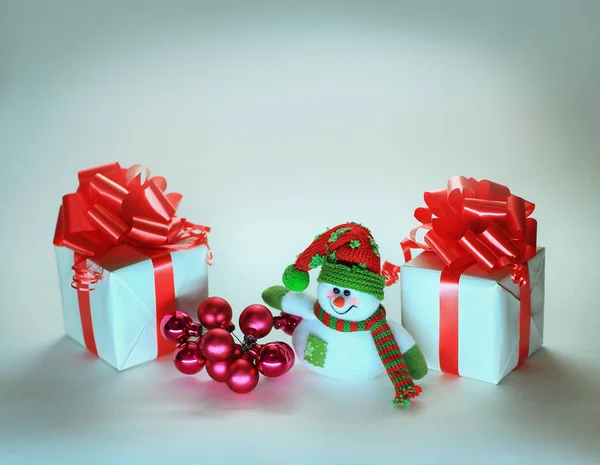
349, 355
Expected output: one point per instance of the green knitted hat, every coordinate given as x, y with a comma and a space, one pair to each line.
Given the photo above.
349, 257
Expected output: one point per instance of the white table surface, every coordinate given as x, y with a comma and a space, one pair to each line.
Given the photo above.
65, 407
258, 112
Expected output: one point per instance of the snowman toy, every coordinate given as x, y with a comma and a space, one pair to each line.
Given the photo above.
343, 332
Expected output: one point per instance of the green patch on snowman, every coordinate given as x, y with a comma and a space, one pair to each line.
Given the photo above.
315, 351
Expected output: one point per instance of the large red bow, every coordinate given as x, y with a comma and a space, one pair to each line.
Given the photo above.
475, 221
115, 206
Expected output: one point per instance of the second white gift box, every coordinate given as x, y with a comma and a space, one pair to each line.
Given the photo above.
487, 321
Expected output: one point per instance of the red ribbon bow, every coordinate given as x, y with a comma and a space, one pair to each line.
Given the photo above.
115, 206
475, 222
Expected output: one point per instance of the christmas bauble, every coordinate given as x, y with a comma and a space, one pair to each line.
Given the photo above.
215, 312
291, 356
175, 325
291, 322
256, 320
242, 376
273, 360
237, 351
217, 345
188, 360
218, 370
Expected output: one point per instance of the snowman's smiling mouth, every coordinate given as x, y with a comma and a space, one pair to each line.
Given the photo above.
341, 313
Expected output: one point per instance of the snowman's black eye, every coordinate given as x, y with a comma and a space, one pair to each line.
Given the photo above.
346, 292
336, 290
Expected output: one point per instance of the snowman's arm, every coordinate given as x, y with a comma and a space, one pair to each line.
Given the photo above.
295, 303
414, 358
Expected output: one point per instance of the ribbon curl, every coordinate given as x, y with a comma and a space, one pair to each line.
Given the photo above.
390, 272
475, 222
115, 206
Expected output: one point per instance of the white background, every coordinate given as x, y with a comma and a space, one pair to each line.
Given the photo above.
275, 121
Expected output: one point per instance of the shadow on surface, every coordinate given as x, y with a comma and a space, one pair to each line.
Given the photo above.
551, 378
56, 389
65, 388
210, 398
553, 399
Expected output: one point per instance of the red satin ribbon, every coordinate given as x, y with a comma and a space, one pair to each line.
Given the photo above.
164, 290
390, 272
116, 213
520, 275
449, 321
85, 314
475, 222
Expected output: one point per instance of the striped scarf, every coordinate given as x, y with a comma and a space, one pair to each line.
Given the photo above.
386, 345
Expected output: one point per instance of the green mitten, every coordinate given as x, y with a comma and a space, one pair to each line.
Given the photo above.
274, 295
415, 362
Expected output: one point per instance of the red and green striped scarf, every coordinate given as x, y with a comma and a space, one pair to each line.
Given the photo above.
386, 345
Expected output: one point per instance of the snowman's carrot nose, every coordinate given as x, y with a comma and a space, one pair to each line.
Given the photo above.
339, 302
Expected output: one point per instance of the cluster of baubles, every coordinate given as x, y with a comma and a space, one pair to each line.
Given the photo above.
210, 343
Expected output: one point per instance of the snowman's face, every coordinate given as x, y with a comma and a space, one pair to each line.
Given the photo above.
346, 304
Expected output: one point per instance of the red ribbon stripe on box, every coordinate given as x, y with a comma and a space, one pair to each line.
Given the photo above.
117, 217
475, 222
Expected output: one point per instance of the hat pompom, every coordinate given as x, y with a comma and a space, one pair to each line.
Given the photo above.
294, 279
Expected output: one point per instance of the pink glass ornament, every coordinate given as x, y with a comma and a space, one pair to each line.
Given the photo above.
188, 360
279, 322
248, 357
291, 356
273, 360
195, 330
215, 312
242, 376
253, 352
237, 351
256, 320
218, 370
291, 322
217, 345
174, 326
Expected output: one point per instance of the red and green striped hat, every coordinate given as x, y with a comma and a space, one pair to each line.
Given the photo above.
348, 256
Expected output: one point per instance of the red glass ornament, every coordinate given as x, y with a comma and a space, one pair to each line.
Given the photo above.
174, 326
273, 360
291, 356
256, 320
237, 351
188, 360
252, 354
215, 312
242, 376
248, 357
228, 326
291, 322
279, 322
218, 370
217, 345
195, 330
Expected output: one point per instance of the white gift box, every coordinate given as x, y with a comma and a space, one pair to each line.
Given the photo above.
488, 315
123, 304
